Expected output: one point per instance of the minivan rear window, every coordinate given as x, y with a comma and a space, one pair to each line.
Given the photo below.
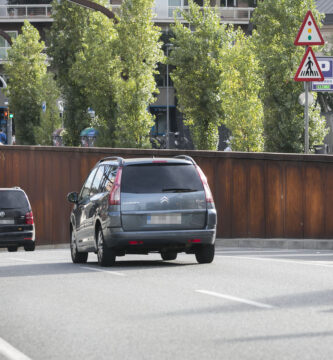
12, 199
159, 178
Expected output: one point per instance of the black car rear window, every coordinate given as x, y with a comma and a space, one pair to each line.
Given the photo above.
12, 199
158, 178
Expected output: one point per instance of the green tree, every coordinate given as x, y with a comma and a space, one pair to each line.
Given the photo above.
197, 76
243, 110
277, 23
98, 53
124, 57
66, 40
49, 119
26, 69
139, 49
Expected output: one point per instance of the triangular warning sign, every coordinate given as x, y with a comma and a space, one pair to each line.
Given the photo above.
309, 70
309, 33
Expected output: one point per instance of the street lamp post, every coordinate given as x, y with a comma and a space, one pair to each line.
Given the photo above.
94, 6
167, 98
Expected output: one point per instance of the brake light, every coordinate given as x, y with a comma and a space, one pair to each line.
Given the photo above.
29, 218
208, 193
114, 197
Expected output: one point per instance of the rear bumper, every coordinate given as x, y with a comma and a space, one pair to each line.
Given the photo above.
155, 240
16, 239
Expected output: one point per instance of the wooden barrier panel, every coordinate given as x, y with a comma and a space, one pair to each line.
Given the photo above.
256, 195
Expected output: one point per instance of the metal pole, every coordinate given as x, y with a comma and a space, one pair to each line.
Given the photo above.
9, 130
167, 114
306, 120
306, 116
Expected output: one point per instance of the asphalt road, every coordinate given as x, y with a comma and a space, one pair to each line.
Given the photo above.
248, 304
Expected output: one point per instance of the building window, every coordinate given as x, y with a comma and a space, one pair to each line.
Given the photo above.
4, 46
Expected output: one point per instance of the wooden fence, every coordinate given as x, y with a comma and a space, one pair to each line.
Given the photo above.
256, 195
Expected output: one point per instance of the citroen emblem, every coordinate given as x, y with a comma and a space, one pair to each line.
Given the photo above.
2, 214
164, 200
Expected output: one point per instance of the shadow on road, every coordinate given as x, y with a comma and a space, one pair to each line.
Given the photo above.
44, 269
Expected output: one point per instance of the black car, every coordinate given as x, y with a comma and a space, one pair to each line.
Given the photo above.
138, 206
16, 220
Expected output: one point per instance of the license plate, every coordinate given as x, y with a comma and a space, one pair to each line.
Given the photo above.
7, 222
171, 219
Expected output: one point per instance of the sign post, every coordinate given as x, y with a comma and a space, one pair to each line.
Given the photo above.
309, 69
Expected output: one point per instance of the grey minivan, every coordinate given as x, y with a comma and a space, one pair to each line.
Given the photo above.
143, 205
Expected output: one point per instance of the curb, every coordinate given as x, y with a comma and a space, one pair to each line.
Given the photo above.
278, 243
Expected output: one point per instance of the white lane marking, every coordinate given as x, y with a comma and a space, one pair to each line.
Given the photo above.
278, 253
10, 352
104, 271
18, 259
255, 251
317, 263
237, 299
297, 255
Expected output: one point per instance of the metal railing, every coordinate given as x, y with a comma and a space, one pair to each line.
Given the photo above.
226, 13
25, 11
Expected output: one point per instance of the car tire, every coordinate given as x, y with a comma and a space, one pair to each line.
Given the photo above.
205, 254
168, 255
30, 247
12, 248
77, 257
106, 256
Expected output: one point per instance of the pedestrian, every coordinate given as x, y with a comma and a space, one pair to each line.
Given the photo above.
3, 137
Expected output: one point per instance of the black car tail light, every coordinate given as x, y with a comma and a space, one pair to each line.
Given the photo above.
29, 218
114, 197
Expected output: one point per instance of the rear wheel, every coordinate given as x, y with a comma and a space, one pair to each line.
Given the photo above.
30, 247
77, 257
205, 254
106, 256
12, 248
169, 255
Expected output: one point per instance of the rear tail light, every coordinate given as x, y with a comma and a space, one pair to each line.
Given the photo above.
114, 197
208, 193
29, 218
135, 242
194, 241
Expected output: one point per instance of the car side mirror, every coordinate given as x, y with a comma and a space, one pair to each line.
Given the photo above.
73, 197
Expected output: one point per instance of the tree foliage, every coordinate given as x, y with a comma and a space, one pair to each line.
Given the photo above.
121, 87
49, 119
66, 40
243, 110
139, 50
277, 23
216, 80
196, 56
26, 69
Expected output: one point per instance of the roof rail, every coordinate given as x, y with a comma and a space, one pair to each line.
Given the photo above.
117, 158
186, 157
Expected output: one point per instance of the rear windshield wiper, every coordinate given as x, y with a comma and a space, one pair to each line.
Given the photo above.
178, 190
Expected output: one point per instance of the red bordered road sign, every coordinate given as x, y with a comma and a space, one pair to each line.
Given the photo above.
309, 33
309, 70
